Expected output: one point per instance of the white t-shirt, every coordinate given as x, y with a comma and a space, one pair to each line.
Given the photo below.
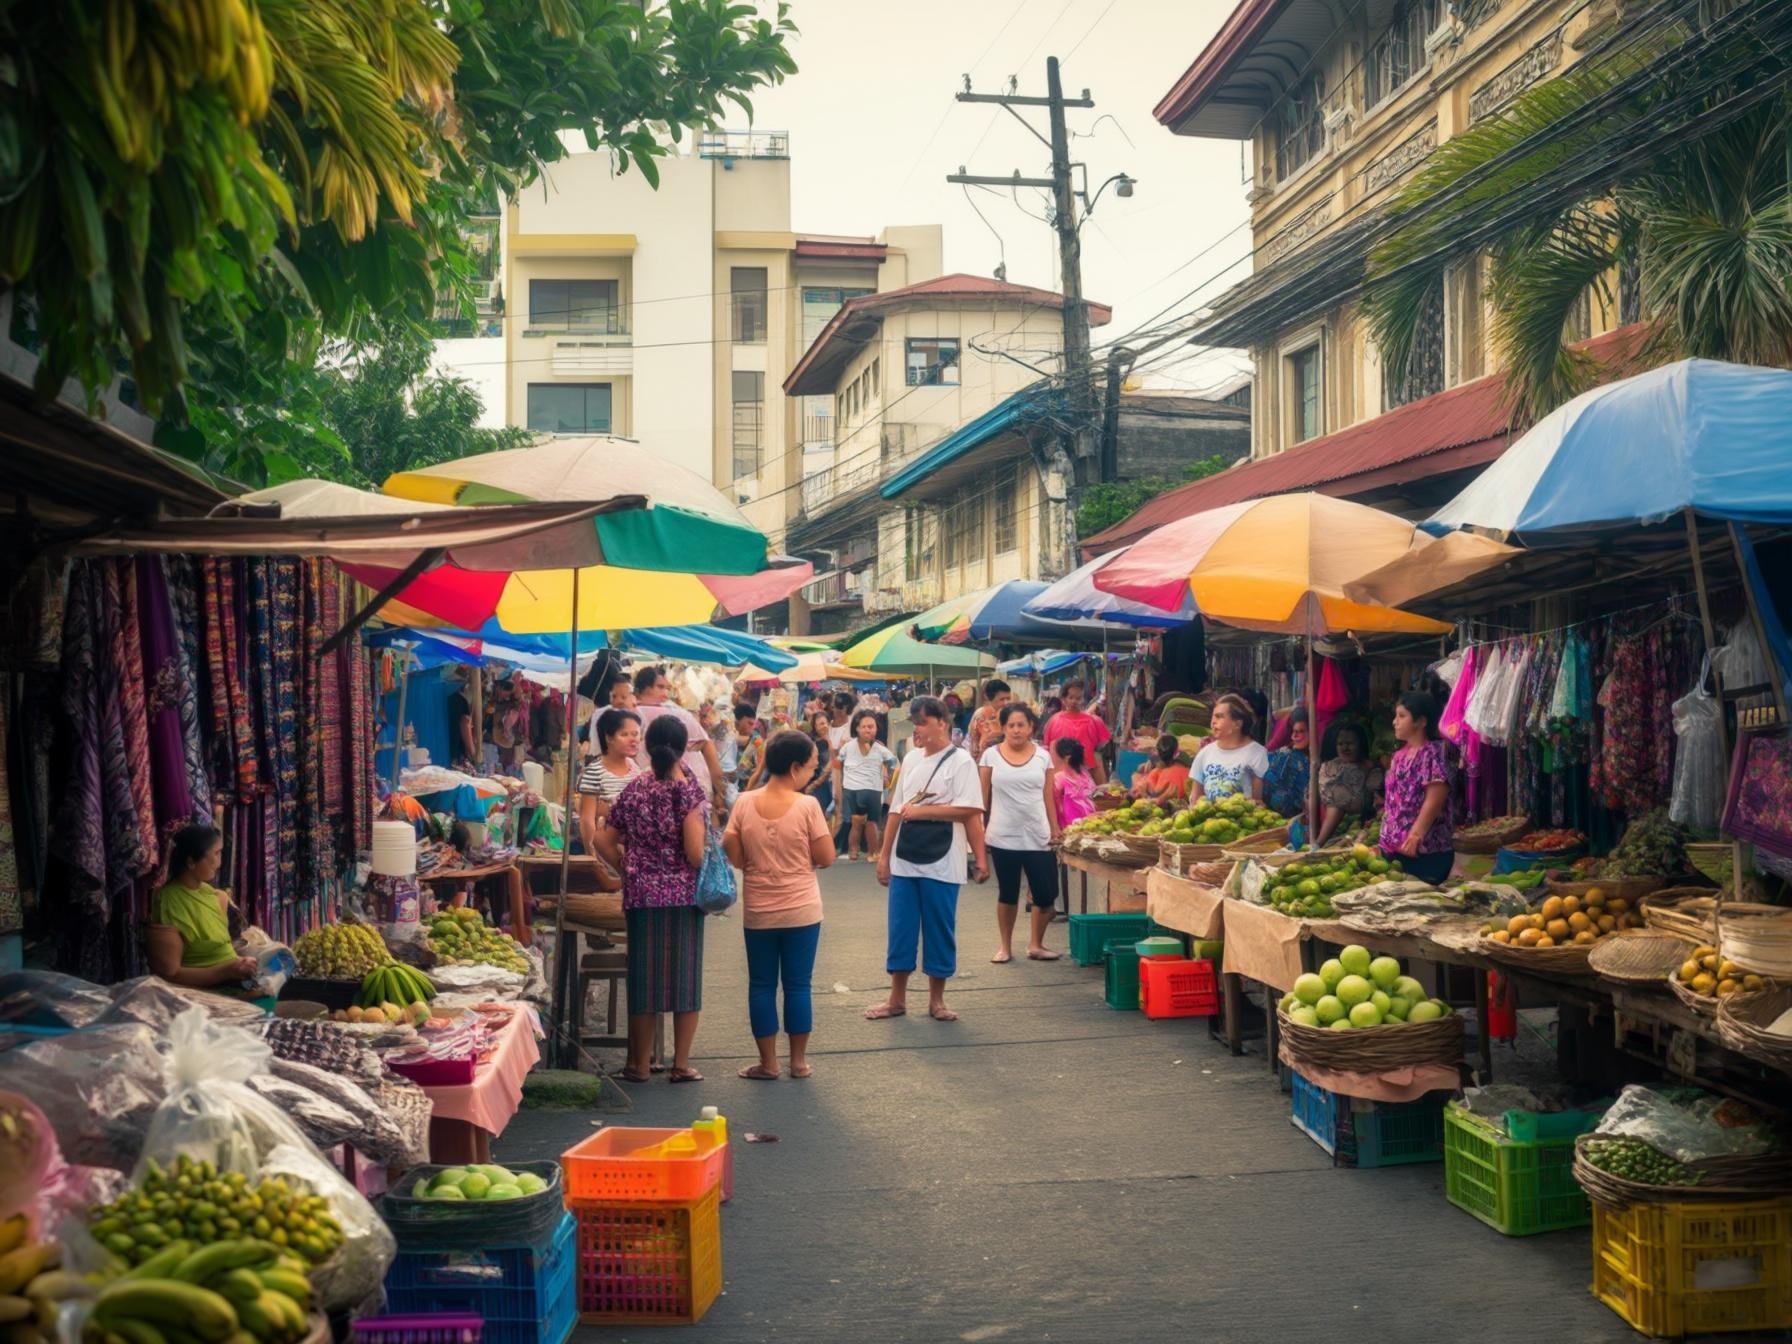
1017, 800
839, 734
864, 769
1220, 771
951, 782
695, 737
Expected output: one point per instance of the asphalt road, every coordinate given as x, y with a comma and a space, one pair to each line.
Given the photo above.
1049, 1169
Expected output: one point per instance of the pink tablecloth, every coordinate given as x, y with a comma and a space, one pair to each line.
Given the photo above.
496, 1091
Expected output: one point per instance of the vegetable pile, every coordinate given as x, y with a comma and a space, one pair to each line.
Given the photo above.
340, 951
1548, 842
1305, 887
1705, 971
195, 1202
460, 937
1652, 846
1357, 990
1634, 1160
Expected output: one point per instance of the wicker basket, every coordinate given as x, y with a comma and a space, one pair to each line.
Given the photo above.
1743, 1019
1373, 1049
1492, 836
1118, 851
1703, 1005
1684, 912
1638, 957
1179, 859
1110, 802
1631, 889
1569, 959
1757, 938
1719, 1178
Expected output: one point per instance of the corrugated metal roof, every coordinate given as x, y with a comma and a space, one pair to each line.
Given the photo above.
1022, 406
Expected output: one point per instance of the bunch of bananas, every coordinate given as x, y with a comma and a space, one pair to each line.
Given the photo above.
32, 1288
395, 983
195, 1202
340, 950
236, 1291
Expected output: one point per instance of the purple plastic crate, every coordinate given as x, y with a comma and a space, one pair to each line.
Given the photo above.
431, 1328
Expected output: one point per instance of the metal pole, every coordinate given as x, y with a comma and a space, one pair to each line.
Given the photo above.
1312, 699
1698, 579
404, 684
565, 967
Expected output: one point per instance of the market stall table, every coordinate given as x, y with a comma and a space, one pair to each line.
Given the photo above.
465, 878
1130, 881
465, 1118
541, 873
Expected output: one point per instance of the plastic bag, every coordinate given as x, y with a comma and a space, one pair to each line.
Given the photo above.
716, 890
46, 999
274, 962
155, 1003
210, 1113
1700, 770
1689, 1123
99, 1088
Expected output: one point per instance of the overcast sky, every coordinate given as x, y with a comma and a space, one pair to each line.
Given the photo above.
874, 129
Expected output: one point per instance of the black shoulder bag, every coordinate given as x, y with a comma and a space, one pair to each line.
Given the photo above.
925, 842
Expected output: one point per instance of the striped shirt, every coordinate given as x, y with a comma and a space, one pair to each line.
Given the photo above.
598, 778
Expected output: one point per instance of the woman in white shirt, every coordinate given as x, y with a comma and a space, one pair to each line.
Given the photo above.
1231, 762
861, 774
1019, 832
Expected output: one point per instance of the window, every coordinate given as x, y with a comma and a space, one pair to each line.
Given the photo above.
932, 361
574, 305
749, 422
1306, 410
876, 376
917, 544
570, 408
1423, 375
1399, 53
1299, 127
749, 304
964, 533
1007, 514
852, 400
819, 304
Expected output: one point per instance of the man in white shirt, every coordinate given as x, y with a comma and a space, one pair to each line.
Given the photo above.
938, 783
653, 697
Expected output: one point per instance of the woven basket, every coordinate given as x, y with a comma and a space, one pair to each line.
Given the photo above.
1743, 1019
1490, 837
1638, 957
1758, 938
1631, 889
1684, 912
1571, 959
1179, 859
1704, 1005
1716, 861
1110, 802
1720, 1178
1215, 874
1373, 1049
1119, 851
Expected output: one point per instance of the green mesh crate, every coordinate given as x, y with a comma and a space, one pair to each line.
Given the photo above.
1516, 1187
1123, 975
1090, 934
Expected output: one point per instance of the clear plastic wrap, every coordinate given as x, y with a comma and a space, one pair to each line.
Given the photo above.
210, 1113
155, 1003
1688, 1123
373, 1132
1701, 772
98, 1087
46, 999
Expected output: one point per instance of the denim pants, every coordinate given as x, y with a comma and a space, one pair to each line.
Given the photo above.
924, 909
787, 955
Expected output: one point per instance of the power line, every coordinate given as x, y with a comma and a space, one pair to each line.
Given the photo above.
940, 125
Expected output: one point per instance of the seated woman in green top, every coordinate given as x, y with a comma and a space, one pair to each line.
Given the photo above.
188, 937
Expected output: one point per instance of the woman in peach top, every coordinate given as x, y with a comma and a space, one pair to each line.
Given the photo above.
777, 836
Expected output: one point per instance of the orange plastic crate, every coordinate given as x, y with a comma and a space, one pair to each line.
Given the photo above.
615, 1164
1179, 988
643, 1263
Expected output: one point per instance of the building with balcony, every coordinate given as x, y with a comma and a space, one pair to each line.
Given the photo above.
672, 315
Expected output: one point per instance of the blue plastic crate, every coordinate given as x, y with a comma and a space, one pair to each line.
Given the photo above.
523, 1293
1361, 1133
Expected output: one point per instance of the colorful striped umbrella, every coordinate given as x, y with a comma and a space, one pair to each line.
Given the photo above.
989, 615
897, 653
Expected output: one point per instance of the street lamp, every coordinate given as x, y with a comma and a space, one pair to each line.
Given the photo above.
1122, 184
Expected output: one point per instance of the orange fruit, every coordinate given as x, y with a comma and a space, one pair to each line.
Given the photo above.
1570, 904
1595, 898
1579, 922
1557, 929
1585, 936
1617, 905
1552, 908
1529, 938
1546, 941
1607, 923
1500, 936
1518, 923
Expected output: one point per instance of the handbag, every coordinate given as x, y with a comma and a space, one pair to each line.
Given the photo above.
925, 842
716, 890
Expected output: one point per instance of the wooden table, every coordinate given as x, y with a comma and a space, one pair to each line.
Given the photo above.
541, 873
465, 1118
466, 877
1130, 880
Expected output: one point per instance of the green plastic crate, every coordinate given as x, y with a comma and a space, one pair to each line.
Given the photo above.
1090, 934
1123, 975
1516, 1187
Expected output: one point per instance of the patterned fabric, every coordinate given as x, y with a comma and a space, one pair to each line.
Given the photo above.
1760, 804
173, 799
1285, 785
1409, 773
665, 960
1635, 769
650, 815
12, 909
181, 585
126, 645
235, 770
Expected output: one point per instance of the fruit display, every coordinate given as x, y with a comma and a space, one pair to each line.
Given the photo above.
1356, 990
33, 1286
480, 1182
1523, 879
1705, 972
460, 937
1652, 846
195, 1202
1634, 1160
1548, 841
1203, 823
235, 1291
339, 951
1563, 921
1305, 887
384, 1014
395, 983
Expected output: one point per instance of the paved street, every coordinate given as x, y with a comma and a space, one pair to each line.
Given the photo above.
1048, 1169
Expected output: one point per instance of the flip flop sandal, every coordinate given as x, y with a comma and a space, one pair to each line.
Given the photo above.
756, 1073
684, 1076
629, 1076
882, 1012
1045, 956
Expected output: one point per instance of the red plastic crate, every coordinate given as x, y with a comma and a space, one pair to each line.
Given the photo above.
1178, 988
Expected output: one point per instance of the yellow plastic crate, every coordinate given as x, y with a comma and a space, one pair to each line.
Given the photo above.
1696, 1268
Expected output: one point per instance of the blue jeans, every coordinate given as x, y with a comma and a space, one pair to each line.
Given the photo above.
923, 908
787, 954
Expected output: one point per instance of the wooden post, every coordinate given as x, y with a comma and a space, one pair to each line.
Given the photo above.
566, 977
404, 685
1698, 579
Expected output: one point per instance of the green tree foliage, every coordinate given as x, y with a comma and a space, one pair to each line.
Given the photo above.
1110, 502
200, 194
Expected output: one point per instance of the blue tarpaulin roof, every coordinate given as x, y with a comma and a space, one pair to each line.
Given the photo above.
1028, 405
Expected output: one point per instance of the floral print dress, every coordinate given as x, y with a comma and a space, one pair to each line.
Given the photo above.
1409, 774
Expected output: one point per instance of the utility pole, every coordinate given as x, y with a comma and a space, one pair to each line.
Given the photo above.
1118, 358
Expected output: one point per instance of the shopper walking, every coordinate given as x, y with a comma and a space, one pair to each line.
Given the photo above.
1075, 721
654, 837
777, 837
936, 812
861, 774
1019, 832
986, 724
1415, 822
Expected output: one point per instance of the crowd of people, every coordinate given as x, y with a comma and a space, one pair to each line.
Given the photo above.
981, 791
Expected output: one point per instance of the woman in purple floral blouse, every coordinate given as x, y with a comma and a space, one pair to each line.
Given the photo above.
1415, 823
653, 835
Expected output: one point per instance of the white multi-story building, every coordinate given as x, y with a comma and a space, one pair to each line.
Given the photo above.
673, 315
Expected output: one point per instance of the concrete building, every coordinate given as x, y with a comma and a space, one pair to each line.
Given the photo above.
1335, 115
672, 315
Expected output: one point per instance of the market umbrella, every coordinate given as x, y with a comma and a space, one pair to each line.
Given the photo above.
806, 669
990, 615
894, 652
688, 526
1075, 600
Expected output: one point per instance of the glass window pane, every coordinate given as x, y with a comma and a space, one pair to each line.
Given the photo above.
748, 303
569, 408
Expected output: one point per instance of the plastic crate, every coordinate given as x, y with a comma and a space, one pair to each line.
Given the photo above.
437, 1327
648, 1263
446, 1225
1516, 1187
619, 1163
1693, 1268
524, 1294
1178, 989
1358, 1132
1536, 1126
1123, 975
1091, 934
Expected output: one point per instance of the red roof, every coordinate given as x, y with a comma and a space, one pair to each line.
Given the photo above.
1241, 28
818, 362
1465, 426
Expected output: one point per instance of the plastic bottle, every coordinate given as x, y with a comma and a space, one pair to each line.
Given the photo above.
711, 1121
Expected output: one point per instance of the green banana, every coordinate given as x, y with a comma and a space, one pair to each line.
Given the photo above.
282, 1306
205, 1264
239, 1285
136, 1332
164, 1262
295, 1286
254, 1317
172, 1301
